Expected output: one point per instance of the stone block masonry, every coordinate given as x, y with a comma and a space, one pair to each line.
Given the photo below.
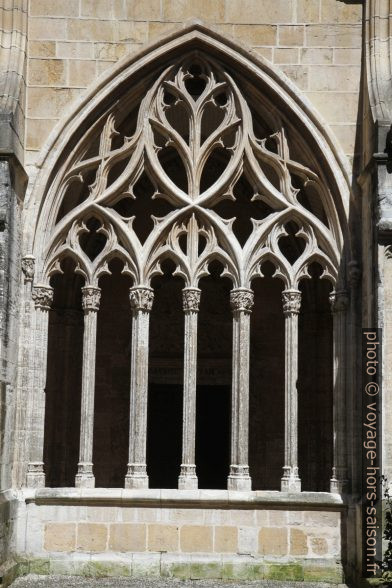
95, 534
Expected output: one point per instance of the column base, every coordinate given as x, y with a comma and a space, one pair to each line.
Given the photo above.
35, 477
188, 479
85, 477
136, 476
239, 478
290, 481
337, 486
338, 482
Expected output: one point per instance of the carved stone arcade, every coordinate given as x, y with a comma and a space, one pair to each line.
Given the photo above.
194, 139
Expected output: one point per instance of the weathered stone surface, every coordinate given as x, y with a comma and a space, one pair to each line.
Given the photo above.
195, 538
256, 35
47, 72
298, 542
163, 538
292, 35
54, 8
47, 28
286, 55
127, 537
49, 102
92, 537
81, 72
225, 539
316, 56
319, 545
60, 536
42, 48
273, 541
175, 10
247, 12
333, 36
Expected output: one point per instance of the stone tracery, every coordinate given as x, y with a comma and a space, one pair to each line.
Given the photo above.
215, 118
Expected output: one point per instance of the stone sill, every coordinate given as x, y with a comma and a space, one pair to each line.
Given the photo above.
184, 498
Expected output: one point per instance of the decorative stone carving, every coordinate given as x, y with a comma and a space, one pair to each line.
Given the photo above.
231, 128
291, 302
91, 297
241, 300
141, 298
191, 299
43, 297
28, 267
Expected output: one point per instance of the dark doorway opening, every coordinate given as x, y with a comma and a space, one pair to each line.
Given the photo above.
214, 373
213, 436
315, 384
111, 414
266, 384
165, 432
164, 410
64, 379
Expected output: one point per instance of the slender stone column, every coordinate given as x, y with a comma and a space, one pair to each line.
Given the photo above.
43, 298
141, 298
91, 297
191, 301
241, 300
339, 305
291, 306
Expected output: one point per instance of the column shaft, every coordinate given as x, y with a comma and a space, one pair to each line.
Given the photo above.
291, 305
141, 299
241, 301
85, 477
43, 297
191, 301
339, 304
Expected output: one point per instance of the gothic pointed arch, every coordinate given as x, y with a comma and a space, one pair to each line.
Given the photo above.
197, 154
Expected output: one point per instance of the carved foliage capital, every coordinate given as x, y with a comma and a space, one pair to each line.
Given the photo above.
191, 299
43, 297
339, 300
28, 267
91, 297
241, 300
291, 302
141, 298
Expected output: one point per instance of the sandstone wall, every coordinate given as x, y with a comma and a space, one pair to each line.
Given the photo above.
184, 542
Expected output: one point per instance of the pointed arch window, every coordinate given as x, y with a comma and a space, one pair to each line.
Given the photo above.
194, 166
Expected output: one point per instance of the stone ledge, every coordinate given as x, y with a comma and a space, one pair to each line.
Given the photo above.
184, 498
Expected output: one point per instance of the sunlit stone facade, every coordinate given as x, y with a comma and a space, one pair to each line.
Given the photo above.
195, 225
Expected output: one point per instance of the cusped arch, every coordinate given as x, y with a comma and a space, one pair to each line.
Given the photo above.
145, 75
